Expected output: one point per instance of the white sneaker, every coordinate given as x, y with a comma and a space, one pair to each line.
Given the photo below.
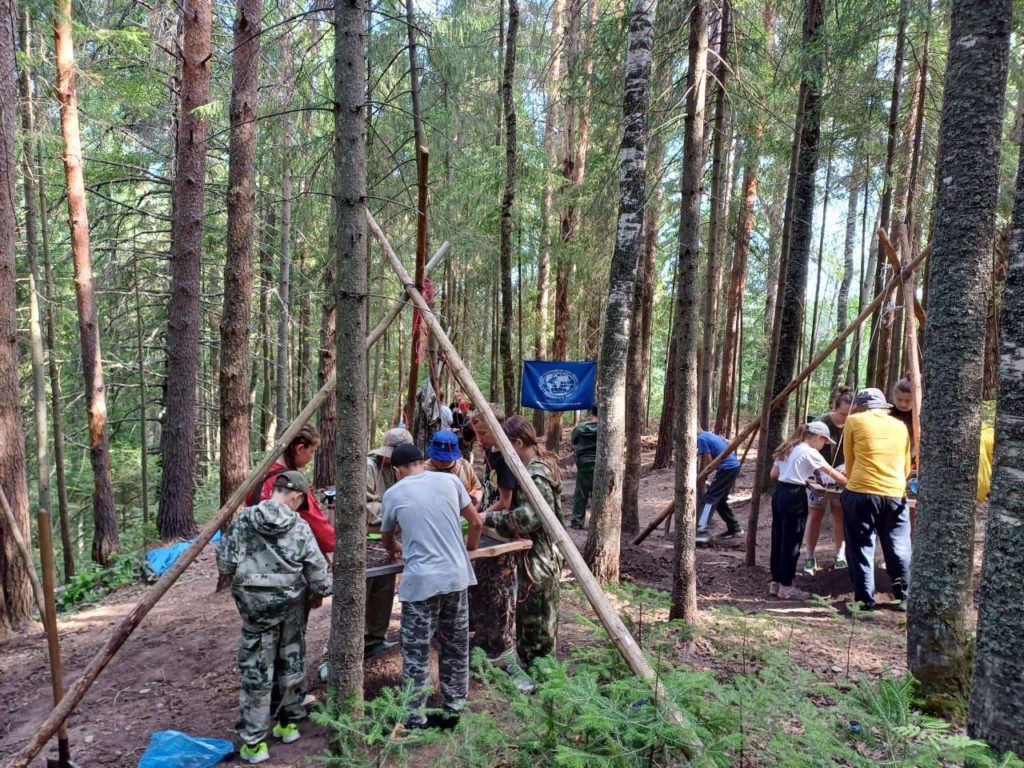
773, 588
793, 593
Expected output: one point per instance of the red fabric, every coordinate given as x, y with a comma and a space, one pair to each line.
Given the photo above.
322, 529
419, 332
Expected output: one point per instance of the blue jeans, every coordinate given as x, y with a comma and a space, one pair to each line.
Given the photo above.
864, 516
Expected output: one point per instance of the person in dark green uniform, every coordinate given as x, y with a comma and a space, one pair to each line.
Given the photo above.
584, 440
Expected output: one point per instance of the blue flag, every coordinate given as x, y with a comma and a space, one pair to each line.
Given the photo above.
558, 386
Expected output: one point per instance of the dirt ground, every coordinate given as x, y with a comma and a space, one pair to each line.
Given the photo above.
177, 670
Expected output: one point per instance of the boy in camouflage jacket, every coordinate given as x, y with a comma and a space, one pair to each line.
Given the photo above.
541, 567
273, 559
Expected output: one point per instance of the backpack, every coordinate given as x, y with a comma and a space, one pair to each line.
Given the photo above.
254, 495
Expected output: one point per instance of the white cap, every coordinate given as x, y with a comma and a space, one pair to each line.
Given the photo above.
820, 428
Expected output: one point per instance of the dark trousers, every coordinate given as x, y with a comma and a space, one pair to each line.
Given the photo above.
716, 496
380, 599
789, 518
864, 515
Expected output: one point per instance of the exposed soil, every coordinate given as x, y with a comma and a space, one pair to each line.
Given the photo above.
177, 671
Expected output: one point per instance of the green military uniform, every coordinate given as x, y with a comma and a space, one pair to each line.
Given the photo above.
584, 438
541, 567
274, 561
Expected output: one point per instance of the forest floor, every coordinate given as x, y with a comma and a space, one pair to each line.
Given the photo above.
177, 671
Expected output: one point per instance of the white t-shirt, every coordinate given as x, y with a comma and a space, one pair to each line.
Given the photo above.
801, 464
427, 507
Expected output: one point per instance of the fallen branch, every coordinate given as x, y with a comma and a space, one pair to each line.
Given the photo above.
780, 398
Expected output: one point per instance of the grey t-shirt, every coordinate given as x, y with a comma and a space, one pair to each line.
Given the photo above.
427, 507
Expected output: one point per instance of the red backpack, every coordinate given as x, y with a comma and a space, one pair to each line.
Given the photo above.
255, 495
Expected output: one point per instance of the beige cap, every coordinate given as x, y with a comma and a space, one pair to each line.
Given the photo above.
392, 437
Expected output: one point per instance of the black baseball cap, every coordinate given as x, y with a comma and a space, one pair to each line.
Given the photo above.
292, 480
404, 454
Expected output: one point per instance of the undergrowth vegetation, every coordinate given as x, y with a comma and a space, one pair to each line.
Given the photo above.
589, 711
92, 582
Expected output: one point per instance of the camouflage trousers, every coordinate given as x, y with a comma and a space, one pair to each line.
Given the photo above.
537, 619
266, 652
445, 617
492, 604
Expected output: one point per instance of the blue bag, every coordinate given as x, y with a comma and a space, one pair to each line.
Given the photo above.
161, 559
173, 749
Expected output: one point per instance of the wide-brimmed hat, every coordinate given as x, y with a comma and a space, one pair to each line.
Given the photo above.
444, 446
392, 437
820, 428
872, 399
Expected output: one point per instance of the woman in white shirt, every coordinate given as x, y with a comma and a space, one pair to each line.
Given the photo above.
796, 461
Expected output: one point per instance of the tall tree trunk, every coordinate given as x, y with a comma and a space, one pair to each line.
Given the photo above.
684, 574
281, 409
323, 470
305, 363
800, 217
802, 407
843, 299
56, 405
174, 519
345, 650
16, 599
716, 224
667, 420
737, 282
234, 321
508, 378
881, 322
268, 422
602, 550
540, 339
938, 627
105, 540
995, 714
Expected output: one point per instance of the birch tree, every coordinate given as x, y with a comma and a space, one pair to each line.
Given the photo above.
602, 550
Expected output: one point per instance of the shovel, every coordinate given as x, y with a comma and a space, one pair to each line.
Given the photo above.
63, 759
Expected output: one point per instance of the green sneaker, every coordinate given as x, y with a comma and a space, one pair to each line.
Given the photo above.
257, 753
810, 565
286, 733
840, 562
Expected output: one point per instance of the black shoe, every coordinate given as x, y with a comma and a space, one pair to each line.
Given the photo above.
376, 649
731, 534
444, 721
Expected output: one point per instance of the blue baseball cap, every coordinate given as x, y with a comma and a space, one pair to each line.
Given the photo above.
444, 446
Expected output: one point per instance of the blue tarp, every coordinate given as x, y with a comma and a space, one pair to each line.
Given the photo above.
558, 385
173, 749
160, 559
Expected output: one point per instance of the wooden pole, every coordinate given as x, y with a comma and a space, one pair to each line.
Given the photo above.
131, 622
910, 338
613, 625
755, 423
422, 163
894, 260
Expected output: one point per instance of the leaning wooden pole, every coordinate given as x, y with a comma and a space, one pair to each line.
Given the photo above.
422, 164
780, 398
613, 625
130, 623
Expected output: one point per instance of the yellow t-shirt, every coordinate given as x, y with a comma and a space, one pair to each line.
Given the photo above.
877, 449
988, 441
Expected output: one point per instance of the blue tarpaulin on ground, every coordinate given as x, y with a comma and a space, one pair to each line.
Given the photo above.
558, 385
173, 749
160, 559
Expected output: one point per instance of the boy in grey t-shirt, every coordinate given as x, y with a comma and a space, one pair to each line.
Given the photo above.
425, 507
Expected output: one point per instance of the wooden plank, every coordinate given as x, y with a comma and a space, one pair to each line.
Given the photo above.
484, 553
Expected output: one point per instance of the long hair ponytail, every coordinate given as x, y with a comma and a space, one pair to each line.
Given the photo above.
783, 451
518, 428
307, 436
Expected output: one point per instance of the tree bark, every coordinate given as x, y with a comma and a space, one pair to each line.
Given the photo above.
684, 574
175, 519
234, 322
16, 599
938, 626
323, 470
802, 407
345, 649
666, 423
508, 368
800, 217
602, 549
995, 714
105, 539
268, 423
716, 224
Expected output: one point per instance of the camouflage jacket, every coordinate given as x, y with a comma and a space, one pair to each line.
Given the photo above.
273, 559
543, 562
378, 479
